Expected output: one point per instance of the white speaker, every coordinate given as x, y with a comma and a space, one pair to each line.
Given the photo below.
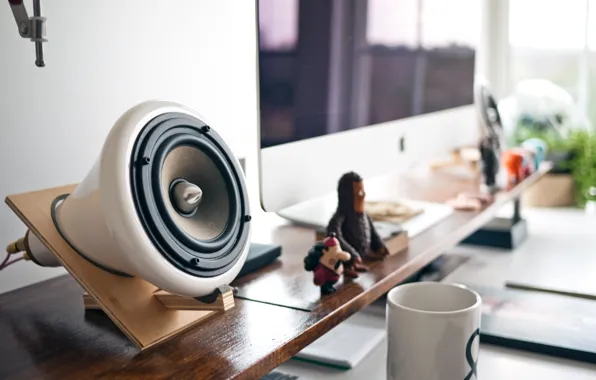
166, 201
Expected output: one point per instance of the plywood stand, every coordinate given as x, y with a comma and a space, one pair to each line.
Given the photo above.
144, 313
224, 301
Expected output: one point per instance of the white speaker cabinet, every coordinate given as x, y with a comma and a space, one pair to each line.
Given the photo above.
145, 314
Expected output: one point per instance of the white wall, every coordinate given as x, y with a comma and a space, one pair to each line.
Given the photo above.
103, 56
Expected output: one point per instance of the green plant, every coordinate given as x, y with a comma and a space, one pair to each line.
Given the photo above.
583, 163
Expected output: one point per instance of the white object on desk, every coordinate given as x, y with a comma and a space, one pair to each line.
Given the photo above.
316, 213
343, 347
433, 332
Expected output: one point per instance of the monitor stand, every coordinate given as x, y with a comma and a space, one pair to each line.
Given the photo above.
317, 213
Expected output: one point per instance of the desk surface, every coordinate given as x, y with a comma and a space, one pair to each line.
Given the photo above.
46, 333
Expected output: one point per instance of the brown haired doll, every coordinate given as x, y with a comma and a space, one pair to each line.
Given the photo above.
353, 226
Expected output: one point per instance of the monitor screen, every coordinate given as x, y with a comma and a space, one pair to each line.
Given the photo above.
327, 66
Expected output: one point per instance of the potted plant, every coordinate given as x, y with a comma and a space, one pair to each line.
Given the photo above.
540, 109
573, 178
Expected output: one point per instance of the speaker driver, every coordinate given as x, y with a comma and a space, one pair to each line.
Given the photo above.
189, 194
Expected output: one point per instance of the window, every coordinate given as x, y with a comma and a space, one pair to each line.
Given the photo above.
333, 65
278, 24
556, 40
417, 54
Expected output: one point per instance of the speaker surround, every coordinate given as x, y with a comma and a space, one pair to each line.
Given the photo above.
166, 201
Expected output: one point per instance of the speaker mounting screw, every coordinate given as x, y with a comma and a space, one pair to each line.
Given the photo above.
194, 261
247, 218
206, 128
146, 160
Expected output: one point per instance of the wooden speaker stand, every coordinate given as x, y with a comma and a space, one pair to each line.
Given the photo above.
145, 314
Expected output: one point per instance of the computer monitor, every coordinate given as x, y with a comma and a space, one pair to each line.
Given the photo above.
370, 86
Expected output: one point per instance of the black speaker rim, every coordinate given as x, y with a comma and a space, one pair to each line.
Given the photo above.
201, 258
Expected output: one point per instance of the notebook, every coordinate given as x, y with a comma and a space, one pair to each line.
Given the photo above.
343, 347
544, 323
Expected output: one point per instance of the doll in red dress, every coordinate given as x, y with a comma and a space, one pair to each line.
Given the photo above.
325, 259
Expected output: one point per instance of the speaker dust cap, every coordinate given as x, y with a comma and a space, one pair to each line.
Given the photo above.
189, 194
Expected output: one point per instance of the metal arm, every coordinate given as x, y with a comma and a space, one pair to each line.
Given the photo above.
30, 27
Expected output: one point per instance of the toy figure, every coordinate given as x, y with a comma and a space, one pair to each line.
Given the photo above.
325, 261
513, 162
492, 135
539, 147
528, 163
353, 226
490, 163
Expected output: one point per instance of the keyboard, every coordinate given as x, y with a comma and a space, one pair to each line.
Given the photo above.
276, 375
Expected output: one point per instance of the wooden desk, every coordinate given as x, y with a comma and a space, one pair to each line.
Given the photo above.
45, 333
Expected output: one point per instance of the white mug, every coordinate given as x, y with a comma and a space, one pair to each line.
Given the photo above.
432, 332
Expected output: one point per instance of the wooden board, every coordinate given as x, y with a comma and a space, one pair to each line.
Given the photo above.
129, 302
398, 243
392, 212
89, 303
223, 302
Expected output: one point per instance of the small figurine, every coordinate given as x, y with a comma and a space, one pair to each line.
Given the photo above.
514, 166
490, 164
354, 227
325, 261
539, 147
529, 161
492, 141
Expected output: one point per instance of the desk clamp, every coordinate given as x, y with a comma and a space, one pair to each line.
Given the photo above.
31, 27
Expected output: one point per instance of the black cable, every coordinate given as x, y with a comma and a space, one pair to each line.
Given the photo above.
10, 263
5, 261
55, 202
